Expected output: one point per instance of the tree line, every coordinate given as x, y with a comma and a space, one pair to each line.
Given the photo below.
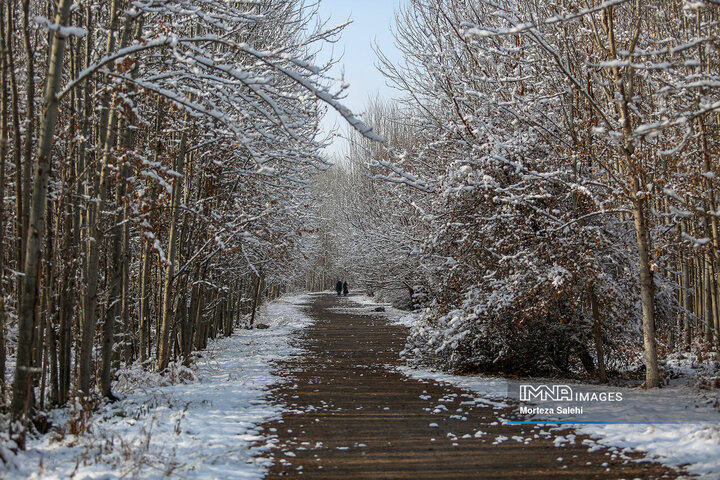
155, 161
559, 202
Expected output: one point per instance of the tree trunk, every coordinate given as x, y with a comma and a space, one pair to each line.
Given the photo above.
600, 352
708, 316
128, 328
17, 153
200, 323
687, 300
108, 132
45, 335
256, 300
163, 344
189, 326
647, 291
112, 310
28, 312
3, 151
29, 114
144, 309
67, 303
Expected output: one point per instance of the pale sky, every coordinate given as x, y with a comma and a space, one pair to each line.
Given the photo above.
372, 21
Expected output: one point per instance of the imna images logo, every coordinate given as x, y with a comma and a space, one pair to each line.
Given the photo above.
564, 393
544, 393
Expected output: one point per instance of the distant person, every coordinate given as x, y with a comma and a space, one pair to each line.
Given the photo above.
345, 288
339, 287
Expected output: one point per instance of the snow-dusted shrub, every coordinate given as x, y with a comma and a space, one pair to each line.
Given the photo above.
137, 375
420, 297
533, 222
465, 343
501, 331
80, 413
397, 297
515, 291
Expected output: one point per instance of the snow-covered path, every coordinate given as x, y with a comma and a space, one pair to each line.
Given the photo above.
342, 406
201, 428
353, 414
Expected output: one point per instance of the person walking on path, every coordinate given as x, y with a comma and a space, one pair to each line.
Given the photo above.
345, 288
339, 287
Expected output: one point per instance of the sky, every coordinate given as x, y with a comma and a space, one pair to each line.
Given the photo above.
372, 22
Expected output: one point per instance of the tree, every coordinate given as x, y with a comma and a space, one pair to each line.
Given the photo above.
545, 130
197, 202
30, 283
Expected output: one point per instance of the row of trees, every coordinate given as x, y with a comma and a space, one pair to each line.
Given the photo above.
154, 165
560, 160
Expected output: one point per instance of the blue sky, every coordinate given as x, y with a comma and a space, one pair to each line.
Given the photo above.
372, 21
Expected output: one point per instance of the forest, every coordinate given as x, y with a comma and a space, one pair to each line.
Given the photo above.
547, 193
154, 169
543, 191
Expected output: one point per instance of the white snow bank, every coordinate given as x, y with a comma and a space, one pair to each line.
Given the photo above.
199, 429
395, 315
491, 391
693, 442
695, 445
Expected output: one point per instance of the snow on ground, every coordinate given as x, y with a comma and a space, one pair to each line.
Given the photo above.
202, 427
393, 314
694, 444
693, 440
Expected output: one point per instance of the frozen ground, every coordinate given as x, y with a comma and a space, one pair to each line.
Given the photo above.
202, 426
205, 422
692, 440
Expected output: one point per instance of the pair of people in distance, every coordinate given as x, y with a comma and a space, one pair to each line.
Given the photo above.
341, 288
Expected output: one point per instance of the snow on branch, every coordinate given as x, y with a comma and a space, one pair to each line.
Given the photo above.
61, 30
480, 31
321, 93
403, 177
696, 242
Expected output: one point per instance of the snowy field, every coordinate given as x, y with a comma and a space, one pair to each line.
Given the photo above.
206, 425
694, 444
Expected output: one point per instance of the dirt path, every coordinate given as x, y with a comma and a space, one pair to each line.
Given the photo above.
351, 416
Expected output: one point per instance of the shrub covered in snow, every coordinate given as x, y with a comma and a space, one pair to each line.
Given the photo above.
515, 293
